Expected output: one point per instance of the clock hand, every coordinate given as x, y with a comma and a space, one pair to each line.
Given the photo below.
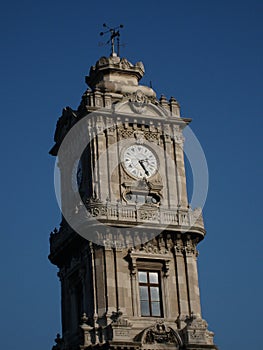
143, 166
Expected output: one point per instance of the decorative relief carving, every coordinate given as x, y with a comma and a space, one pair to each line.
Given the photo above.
119, 320
167, 133
178, 135
102, 61
196, 331
145, 214
111, 126
155, 248
120, 326
152, 136
108, 244
138, 212
149, 248
179, 246
139, 136
160, 333
125, 64
126, 133
139, 97
95, 207
100, 127
139, 102
189, 246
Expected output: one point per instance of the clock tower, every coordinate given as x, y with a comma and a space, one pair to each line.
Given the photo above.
126, 248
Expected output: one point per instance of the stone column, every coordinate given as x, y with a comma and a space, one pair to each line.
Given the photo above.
100, 281
112, 161
110, 278
183, 303
94, 167
171, 172
93, 271
133, 276
192, 277
180, 168
124, 293
167, 310
101, 160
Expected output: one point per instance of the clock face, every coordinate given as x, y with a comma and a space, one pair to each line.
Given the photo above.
139, 161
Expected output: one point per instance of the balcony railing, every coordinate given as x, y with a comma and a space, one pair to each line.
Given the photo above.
145, 217
125, 214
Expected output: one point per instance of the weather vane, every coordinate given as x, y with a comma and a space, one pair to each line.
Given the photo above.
114, 34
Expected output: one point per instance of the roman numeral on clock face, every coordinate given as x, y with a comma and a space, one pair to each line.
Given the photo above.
140, 161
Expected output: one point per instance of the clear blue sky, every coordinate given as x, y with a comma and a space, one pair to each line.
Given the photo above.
208, 54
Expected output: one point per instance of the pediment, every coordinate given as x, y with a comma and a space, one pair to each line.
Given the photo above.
141, 109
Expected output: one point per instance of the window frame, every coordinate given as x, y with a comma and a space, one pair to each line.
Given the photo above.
149, 284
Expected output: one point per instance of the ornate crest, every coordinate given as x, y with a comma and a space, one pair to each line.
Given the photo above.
138, 102
160, 333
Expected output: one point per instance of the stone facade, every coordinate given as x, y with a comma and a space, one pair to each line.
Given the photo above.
99, 272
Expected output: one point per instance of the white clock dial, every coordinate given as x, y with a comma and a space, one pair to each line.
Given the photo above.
139, 161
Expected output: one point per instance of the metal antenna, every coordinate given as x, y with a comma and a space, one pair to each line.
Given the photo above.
114, 33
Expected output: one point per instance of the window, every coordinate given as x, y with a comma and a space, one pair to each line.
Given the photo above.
150, 293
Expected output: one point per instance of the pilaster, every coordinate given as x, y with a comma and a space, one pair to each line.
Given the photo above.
192, 276
180, 167
183, 302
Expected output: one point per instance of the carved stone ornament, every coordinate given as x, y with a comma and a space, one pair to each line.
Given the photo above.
138, 102
150, 249
159, 334
95, 207
178, 135
146, 214
196, 331
120, 326
152, 136
111, 126
102, 61
190, 247
125, 64
139, 136
119, 320
179, 246
126, 133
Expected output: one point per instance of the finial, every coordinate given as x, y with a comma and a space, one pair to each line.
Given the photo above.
114, 33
